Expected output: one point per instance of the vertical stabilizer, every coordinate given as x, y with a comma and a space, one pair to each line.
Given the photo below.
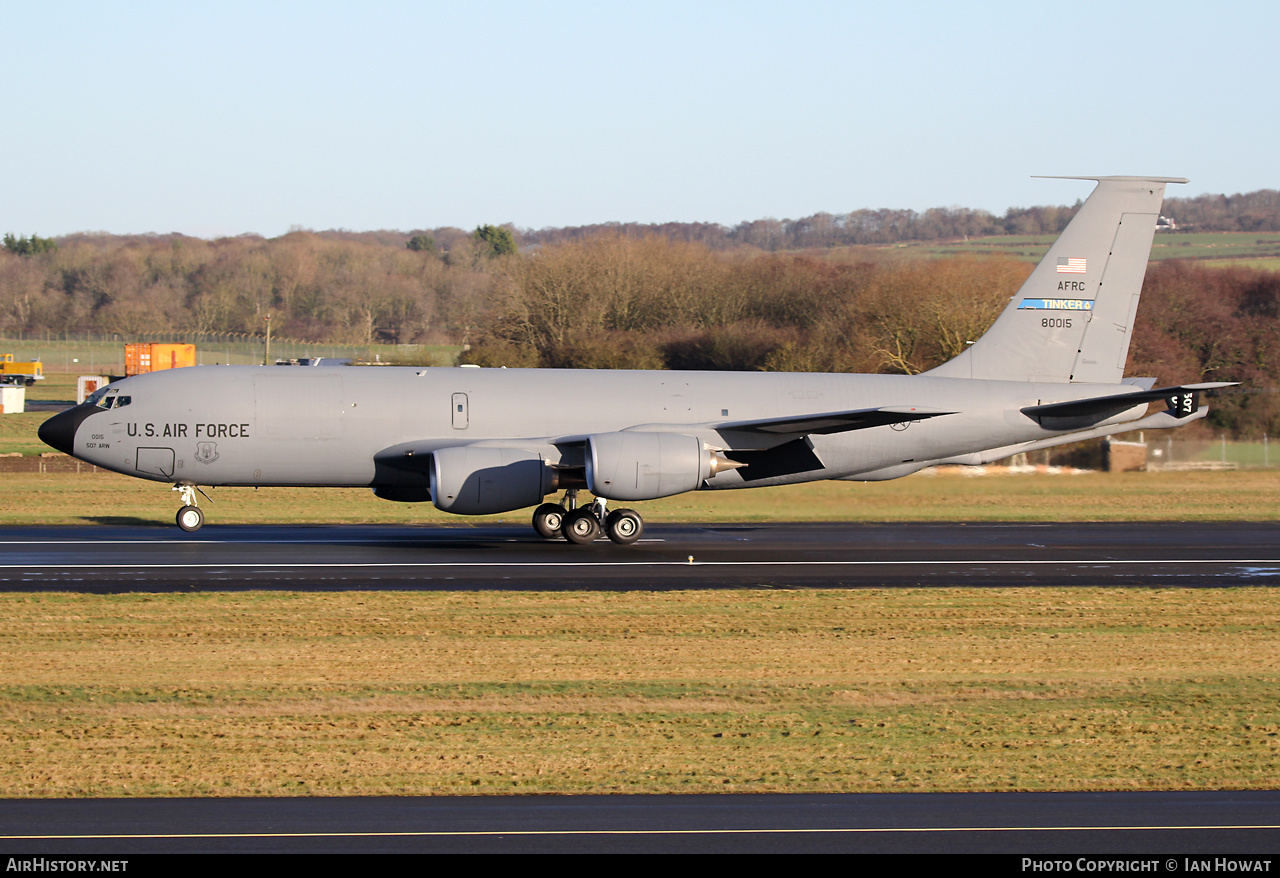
1072, 319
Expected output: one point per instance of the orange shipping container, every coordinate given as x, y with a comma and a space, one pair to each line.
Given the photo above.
151, 357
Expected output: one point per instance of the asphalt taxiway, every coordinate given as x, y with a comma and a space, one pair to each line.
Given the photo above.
124, 558
1162, 827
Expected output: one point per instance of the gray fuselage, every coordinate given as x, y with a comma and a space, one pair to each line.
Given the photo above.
235, 425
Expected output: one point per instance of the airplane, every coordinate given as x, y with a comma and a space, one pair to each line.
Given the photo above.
476, 441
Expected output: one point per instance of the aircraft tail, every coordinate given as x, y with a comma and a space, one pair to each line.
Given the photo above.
1072, 319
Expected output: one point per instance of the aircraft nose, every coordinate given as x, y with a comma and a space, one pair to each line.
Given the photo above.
60, 431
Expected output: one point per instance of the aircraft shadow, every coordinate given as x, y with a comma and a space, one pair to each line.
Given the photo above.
123, 521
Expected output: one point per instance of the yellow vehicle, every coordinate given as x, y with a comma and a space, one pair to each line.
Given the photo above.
27, 373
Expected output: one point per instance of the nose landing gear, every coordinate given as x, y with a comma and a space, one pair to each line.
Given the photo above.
189, 517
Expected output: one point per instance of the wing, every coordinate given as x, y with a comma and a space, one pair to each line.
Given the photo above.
834, 422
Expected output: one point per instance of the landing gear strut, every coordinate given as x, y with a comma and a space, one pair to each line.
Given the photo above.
583, 525
190, 518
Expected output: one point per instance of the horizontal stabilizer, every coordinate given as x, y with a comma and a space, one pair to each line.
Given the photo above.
1181, 399
835, 422
1158, 421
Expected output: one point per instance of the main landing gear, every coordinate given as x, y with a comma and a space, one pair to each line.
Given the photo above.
583, 524
190, 518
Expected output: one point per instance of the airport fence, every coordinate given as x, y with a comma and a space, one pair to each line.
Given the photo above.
1159, 451
93, 353
1170, 452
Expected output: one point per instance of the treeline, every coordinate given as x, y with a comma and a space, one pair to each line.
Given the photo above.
614, 301
1214, 324
312, 287
627, 303
1252, 212
822, 230
1249, 212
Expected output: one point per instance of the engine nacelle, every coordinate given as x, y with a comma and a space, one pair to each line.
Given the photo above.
478, 480
645, 466
402, 493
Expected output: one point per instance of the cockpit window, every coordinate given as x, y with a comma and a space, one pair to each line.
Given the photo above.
106, 398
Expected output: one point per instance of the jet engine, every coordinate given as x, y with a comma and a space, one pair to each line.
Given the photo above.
478, 480
645, 466
401, 493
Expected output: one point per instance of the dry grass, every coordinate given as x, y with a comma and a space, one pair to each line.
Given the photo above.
68, 498
406, 693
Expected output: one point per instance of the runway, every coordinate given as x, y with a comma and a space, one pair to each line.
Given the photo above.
108, 559
1161, 827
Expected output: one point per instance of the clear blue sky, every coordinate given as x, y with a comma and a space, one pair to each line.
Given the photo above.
230, 117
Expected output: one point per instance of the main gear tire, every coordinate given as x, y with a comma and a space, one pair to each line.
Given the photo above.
580, 527
624, 526
548, 519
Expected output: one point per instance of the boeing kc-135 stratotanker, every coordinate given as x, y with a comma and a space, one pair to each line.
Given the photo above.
476, 441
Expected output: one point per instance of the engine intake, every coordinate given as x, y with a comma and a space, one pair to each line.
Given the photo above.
478, 480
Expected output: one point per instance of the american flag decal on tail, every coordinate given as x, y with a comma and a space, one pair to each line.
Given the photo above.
1072, 265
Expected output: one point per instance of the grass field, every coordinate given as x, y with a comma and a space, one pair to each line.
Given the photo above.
1240, 249
18, 434
749, 691
107, 498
